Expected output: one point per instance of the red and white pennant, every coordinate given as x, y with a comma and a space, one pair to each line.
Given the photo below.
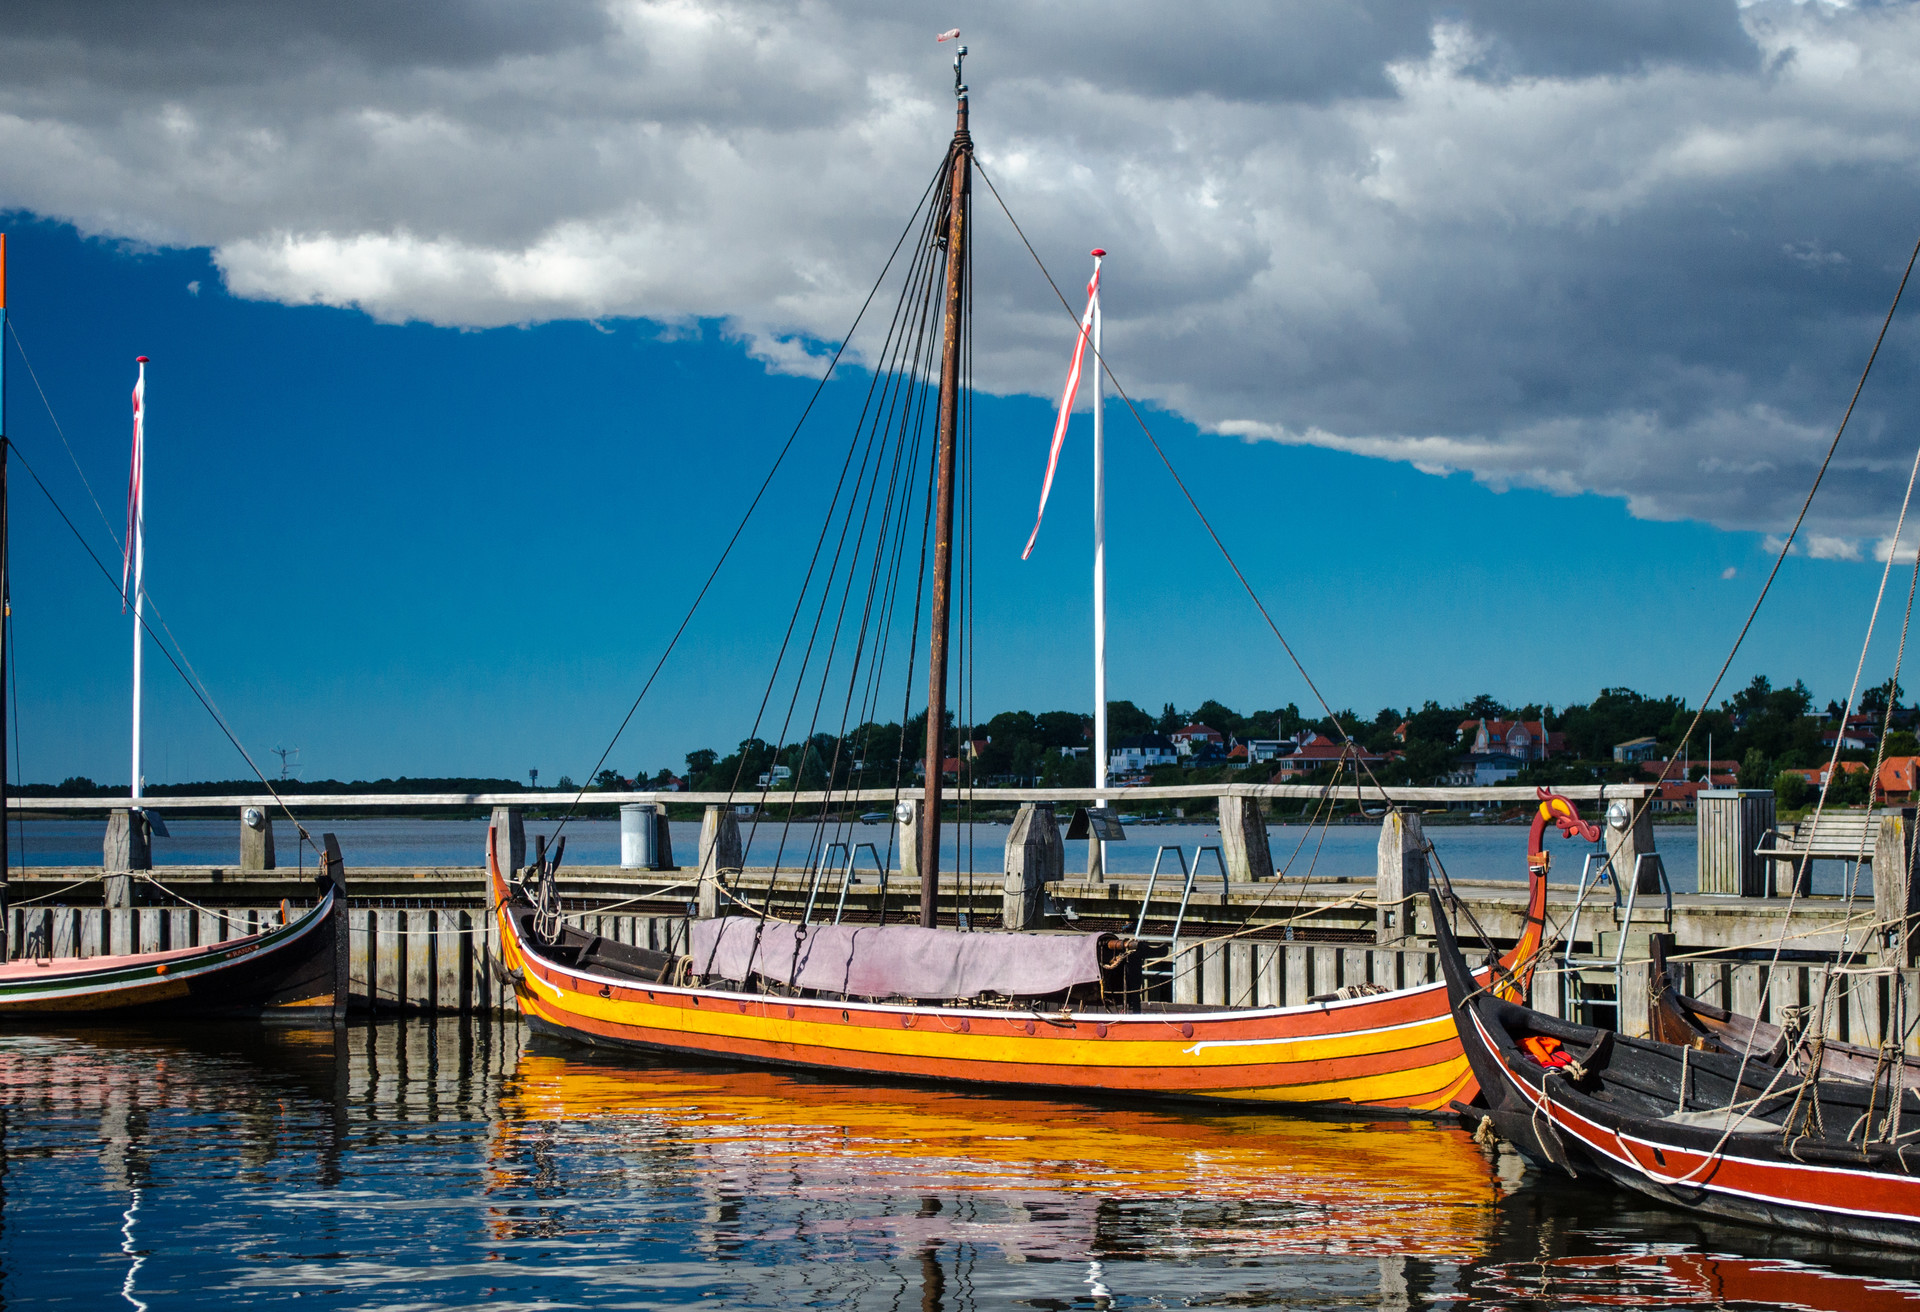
1066, 400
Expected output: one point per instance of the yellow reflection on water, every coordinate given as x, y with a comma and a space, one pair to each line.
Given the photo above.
1288, 1185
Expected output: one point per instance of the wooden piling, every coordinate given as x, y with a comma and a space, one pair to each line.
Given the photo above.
1400, 876
1243, 840
1035, 856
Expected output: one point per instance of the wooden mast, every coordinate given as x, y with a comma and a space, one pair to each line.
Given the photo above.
6, 609
952, 328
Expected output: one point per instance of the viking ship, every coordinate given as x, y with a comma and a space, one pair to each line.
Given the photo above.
1673, 1017
293, 971
296, 970
1709, 1131
959, 1003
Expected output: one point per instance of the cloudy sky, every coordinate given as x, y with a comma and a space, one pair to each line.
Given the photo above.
1454, 304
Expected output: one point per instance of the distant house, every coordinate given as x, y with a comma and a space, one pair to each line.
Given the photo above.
1851, 740
1818, 777
1637, 749
1524, 740
1898, 775
1136, 755
1194, 739
1676, 796
1323, 752
673, 783
773, 778
1267, 749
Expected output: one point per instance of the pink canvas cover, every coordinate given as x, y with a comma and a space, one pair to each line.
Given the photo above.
905, 961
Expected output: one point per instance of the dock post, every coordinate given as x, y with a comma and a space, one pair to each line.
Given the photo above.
256, 839
906, 817
719, 850
511, 841
1895, 895
127, 848
1401, 876
1035, 856
1243, 840
1626, 843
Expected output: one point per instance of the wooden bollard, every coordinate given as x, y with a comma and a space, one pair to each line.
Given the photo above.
127, 847
1896, 890
510, 839
1243, 840
256, 839
1034, 856
719, 851
1401, 876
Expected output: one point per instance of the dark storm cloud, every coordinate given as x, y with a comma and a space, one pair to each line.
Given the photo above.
1628, 247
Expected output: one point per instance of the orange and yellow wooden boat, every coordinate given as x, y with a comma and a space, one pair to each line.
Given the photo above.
1393, 1052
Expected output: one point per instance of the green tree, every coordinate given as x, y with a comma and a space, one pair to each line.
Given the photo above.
1485, 707
1125, 720
1170, 719
700, 762
1790, 790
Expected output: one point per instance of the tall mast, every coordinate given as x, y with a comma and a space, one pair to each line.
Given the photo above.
961, 153
1097, 849
6, 610
137, 548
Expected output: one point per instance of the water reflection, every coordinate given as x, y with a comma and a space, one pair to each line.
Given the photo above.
452, 1164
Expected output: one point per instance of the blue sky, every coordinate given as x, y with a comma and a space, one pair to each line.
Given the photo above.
1497, 339
419, 550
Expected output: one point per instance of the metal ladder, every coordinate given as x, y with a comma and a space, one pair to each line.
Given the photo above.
847, 877
1161, 968
1590, 982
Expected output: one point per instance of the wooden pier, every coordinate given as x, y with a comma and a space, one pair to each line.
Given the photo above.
423, 939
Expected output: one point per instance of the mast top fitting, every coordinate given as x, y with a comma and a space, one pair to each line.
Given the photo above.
959, 87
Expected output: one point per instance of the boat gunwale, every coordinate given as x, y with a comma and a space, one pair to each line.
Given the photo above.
192, 963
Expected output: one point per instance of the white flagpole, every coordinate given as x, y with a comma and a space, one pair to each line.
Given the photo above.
1099, 568
138, 547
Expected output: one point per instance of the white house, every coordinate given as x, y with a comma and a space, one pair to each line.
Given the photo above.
1134, 755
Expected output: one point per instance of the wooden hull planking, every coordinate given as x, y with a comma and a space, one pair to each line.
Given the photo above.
1395, 1053
291, 971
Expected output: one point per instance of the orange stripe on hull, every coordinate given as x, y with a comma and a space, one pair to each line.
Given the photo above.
1393, 1052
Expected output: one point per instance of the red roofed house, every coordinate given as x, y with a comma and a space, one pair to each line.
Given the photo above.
1319, 751
1524, 740
1897, 778
1194, 739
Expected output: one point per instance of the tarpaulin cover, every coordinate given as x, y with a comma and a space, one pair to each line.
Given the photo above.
875, 961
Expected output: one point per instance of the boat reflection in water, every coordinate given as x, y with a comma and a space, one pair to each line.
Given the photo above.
445, 1164
831, 1187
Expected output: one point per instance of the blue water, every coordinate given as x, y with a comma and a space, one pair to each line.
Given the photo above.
1468, 851
457, 1164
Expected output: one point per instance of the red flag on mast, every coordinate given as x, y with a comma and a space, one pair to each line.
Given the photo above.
135, 520
1066, 401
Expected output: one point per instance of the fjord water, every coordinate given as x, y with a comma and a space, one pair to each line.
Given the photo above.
459, 1163
1471, 851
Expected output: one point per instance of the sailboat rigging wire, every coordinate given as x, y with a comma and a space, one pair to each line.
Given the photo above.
919, 280
1194, 505
98, 508
1853, 691
203, 697
179, 649
1787, 546
740, 528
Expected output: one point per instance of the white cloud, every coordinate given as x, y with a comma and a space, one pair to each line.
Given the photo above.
1729, 572
1585, 251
